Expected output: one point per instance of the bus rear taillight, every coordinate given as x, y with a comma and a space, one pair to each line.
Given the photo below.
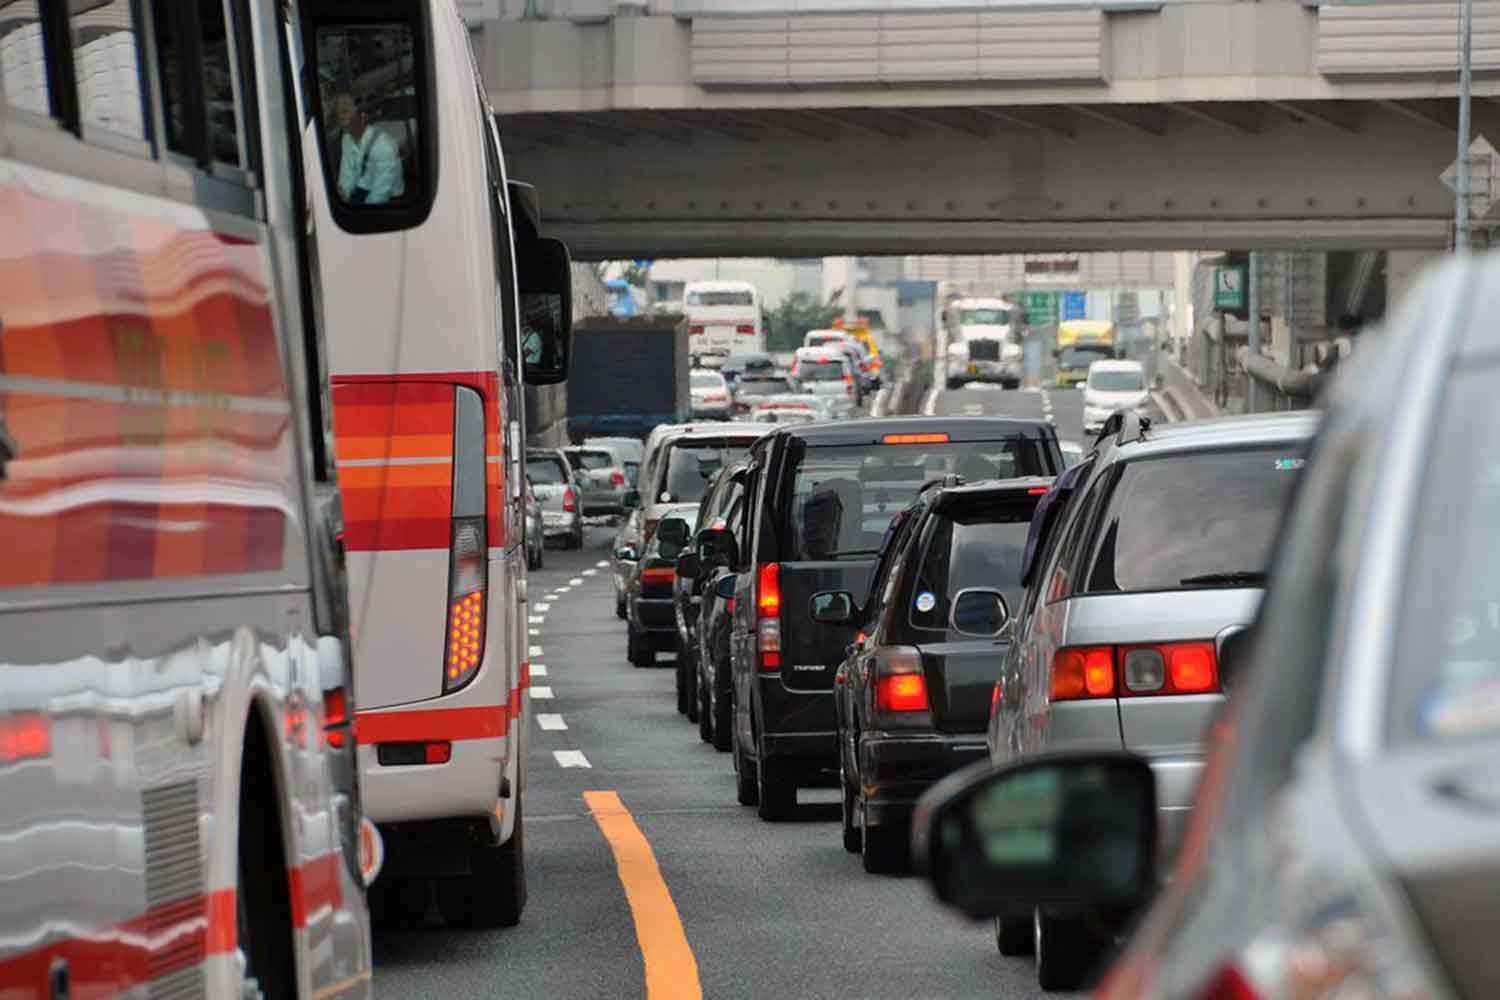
466, 612
745, 329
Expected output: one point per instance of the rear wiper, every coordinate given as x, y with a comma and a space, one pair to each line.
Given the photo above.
1229, 579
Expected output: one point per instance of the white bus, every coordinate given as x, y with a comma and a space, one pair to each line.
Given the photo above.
724, 318
177, 750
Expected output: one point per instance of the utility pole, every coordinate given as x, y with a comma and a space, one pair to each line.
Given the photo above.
1465, 85
1252, 278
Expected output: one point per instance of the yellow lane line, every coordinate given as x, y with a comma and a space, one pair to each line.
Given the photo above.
671, 969
342, 986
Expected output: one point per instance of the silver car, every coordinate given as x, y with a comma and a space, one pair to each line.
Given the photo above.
712, 399
603, 479
630, 451
557, 490
1150, 554
536, 537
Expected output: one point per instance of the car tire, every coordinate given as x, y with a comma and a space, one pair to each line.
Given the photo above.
576, 542
541, 556
746, 790
493, 894
636, 650
884, 849
853, 841
776, 796
620, 606
954, 383
1014, 936
723, 723
705, 714
1067, 951
679, 669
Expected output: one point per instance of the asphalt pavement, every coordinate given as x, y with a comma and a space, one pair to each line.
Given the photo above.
724, 905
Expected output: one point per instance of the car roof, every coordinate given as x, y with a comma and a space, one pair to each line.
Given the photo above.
871, 430
1226, 432
948, 496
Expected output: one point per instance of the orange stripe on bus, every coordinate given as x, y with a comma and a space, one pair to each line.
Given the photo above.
353, 447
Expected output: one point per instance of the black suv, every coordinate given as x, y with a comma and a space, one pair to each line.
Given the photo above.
723, 493
913, 696
820, 500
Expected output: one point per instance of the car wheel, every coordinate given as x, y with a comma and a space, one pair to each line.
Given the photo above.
1014, 936
636, 650
576, 542
705, 714
493, 894
884, 849
680, 672
619, 605
852, 839
541, 556
777, 796
1067, 950
954, 383
746, 788
690, 679
723, 727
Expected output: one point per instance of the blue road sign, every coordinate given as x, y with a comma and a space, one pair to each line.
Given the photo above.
1075, 305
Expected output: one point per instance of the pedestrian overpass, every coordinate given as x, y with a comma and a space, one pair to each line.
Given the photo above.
810, 127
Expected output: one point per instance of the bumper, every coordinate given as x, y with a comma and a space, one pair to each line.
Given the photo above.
896, 769
467, 785
1176, 786
554, 525
603, 502
798, 728
657, 617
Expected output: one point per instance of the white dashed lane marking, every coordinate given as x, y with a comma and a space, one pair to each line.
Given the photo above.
576, 581
590, 572
571, 758
541, 692
534, 651
537, 619
535, 631
602, 563
539, 670
550, 721
543, 608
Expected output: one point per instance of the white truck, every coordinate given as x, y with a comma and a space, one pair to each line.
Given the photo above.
983, 342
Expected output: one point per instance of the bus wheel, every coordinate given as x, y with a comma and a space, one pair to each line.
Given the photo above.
493, 894
263, 907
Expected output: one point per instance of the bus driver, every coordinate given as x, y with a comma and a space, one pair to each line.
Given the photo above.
369, 163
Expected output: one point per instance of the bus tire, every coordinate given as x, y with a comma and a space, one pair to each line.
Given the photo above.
263, 902
493, 894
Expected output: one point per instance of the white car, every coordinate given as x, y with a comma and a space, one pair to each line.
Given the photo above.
710, 394
1111, 386
791, 408
823, 371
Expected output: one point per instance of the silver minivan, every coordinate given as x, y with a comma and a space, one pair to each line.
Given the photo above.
1146, 558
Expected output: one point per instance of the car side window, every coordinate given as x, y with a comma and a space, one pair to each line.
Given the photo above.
885, 596
1059, 577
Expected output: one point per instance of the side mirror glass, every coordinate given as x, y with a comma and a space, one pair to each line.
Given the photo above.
673, 531
626, 554
1077, 832
726, 586
688, 566
544, 278
632, 498
979, 611
833, 607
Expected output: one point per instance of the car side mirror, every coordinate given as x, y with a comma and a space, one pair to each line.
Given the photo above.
626, 553
1076, 831
980, 611
716, 547
833, 607
688, 566
544, 279
726, 586
673, 531
632, 498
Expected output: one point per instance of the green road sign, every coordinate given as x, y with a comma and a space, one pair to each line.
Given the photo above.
1229, 289
1041, 308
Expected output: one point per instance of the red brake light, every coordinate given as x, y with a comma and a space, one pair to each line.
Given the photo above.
570, 500
744, 329
1169, 668
617, 478
934, 438
695, 329
658, 574
1192, 666
1080, 673
1037, 491
901, 693
335, 713
24, 736
437, 753
994, 699
769, 591
1228, 984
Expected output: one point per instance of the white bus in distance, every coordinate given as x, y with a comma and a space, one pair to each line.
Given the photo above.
724, 318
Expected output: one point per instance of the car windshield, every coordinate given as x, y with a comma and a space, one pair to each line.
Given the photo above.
763, 386
720, 299
1193, 521
844, 496
820, 371
591, 460
1117, 381
979, 548
984, 317
692, 465
1082, 357
546, 471
707, 380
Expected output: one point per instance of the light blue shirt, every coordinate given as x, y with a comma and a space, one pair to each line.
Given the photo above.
372, 163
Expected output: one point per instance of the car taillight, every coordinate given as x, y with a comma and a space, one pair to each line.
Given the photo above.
24, 736
744, 329
467, 570
1229, 983
658, 579
695, 329
849, 383
617, 478
1083, 672
335, 716
901, 686
729, 605
937, 437
768, 616
570, 500
994, 699
1169, 668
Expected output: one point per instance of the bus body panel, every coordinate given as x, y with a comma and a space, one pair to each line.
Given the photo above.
718, 331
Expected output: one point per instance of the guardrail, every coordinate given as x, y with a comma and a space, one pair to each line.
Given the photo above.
1278, 387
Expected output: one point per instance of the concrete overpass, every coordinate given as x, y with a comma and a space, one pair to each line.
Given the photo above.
805, 127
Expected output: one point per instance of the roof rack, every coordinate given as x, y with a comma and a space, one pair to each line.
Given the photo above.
945, 481
1125, 425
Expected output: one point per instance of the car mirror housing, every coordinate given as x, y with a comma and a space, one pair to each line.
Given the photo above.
625, 553
833, 607
1075, 831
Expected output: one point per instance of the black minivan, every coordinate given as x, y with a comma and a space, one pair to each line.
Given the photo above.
821, 499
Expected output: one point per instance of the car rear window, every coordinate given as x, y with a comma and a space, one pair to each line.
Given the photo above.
707, 380
974, 548
1118, 380
763, 386
720, 299
592, 460
842, 498
820, 371
1193, 521
692, 465
545, 471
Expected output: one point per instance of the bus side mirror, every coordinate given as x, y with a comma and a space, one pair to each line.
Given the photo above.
544, 277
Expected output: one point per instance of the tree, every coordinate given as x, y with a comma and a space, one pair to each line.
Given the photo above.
798, 313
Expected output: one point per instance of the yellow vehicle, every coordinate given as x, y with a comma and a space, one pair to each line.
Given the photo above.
1081, 342
859, 329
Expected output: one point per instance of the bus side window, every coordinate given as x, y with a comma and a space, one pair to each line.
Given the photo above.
23, 60
372, 98
107, 68
206, 96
